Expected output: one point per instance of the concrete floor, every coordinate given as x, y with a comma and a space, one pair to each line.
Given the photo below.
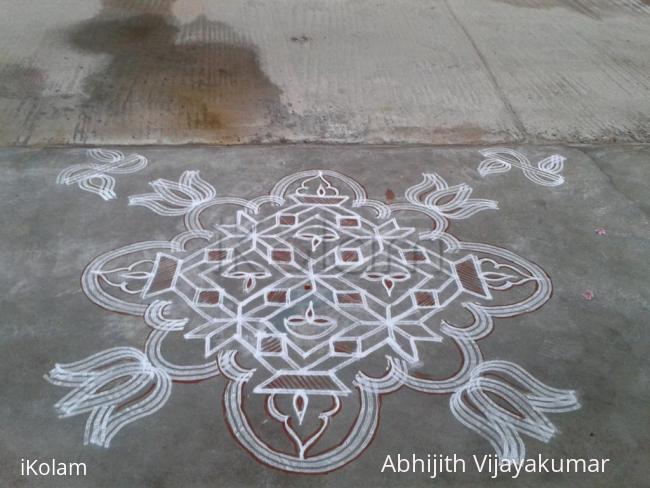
382, 92
364, 71
597, 347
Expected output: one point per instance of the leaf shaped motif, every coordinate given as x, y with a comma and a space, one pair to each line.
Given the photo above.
172, 198
99, 184
552, 164
303, 445
500, 276
434, 194
520, 408
492, 166
431, 182
249, 272
131, 279
116, 387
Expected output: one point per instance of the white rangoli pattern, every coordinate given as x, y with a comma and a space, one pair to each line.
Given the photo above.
501, 160
94, 177
297, 301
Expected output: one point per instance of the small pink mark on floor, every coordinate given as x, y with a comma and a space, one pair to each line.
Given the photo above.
588, 295
601, 231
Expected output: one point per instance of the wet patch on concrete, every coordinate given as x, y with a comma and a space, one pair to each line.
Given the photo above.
18, 81
167, 71
198, 80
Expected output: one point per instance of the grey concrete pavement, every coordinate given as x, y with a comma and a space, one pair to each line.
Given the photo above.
596, 347
499, 271
228, 72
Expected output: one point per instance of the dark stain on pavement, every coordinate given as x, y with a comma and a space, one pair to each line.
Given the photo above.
178, 79
302, 39
20, 82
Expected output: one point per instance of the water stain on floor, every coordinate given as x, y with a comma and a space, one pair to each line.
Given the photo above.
20, 82
179, 80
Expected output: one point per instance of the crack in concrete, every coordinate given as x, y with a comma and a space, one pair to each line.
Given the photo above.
613, 184
493, 80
